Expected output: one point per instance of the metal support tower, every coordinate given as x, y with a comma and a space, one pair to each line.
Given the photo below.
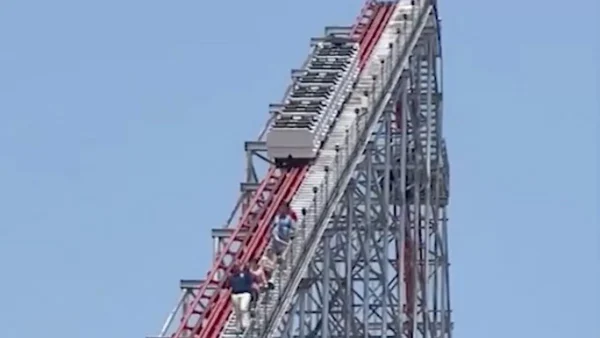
381, 268
370, 258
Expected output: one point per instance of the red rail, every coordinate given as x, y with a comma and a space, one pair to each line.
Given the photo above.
208, 312
209, 293
382, 14
260, 240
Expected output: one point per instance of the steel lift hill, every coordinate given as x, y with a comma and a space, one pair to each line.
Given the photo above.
316, 140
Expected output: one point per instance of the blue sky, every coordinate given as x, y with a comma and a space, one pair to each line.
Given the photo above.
121, 134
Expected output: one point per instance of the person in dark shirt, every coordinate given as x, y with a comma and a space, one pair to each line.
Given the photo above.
240, 281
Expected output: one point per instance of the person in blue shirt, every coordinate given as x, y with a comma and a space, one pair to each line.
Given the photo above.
284, 224
240, 281
283, 229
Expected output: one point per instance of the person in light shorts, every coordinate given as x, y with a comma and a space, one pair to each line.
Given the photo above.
240, 281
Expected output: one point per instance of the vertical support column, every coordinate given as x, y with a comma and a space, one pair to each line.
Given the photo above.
420, 233
447, 320
415, 196
385, 208
438, 200
290, 323
216, 248
326, 283
302, 310
402, 231
367, 239
396, 308
310, 305
349, 315
249, 178
427, 73
189, 296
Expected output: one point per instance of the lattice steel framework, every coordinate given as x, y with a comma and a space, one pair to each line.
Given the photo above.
382, 266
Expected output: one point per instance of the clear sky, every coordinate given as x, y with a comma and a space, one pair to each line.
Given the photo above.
121, 133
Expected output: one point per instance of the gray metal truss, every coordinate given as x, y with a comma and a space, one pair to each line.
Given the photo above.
381, 269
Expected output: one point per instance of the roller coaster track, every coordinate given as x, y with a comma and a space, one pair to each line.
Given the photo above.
207, 315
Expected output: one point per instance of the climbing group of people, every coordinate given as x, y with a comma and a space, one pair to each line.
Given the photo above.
249, 281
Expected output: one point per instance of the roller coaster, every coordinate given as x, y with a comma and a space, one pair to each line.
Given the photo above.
356, 148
